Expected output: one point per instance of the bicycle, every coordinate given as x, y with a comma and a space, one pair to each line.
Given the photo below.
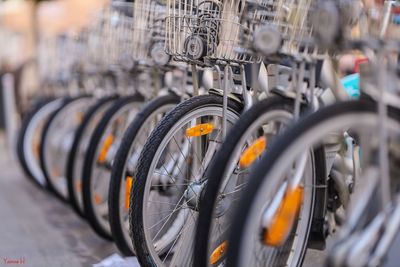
373, 212
281, 190
179, 149
296, 89
145, 66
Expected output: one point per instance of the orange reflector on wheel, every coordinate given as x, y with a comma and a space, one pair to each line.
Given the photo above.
253, 152
97, 199
128, 186
79, 117
56, 172
104, 149
78, 186
36, 149
218, 253
199, 130
281, 225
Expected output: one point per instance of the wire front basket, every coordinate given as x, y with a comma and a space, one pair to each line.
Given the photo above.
285, 27
111, 37
131, 34
207, 31
149, 27
58, 57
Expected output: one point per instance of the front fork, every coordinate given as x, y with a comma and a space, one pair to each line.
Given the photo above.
342, 168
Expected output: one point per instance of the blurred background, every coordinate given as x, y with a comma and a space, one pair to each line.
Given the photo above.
22, 24
35, 229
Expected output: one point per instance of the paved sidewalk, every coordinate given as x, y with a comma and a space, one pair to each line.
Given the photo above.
39, 230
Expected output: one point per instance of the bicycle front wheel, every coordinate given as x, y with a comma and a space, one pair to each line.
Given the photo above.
28, 144
123, 169
56, 142
99, 158
229, 172
170, 171
281, 181
78, 150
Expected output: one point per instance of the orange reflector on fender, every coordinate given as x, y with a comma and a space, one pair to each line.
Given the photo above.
104, 149
199, 130
253, 152
128, 186
277, 232
218, 253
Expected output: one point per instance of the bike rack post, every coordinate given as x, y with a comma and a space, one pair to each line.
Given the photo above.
10, 111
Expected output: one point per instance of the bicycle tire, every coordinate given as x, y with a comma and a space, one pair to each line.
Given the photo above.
22, 135
119, 167
88, 207
281, 145
143, 166
217, 168
49, 185
71, 160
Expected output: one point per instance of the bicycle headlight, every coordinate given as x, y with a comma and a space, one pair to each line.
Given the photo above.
126, 61
326, 25
195, 47
158, 54
267, 40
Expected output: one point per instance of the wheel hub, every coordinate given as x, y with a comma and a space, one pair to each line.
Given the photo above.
193, 194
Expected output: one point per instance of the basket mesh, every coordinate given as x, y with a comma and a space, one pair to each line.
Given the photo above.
292, 19
204, 31
148, 27
116, 25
